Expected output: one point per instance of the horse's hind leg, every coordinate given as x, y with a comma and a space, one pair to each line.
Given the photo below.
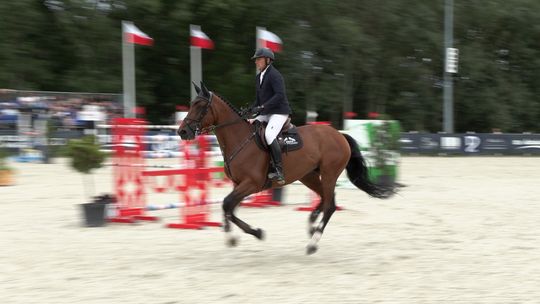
313, 181
328, 210
328, 183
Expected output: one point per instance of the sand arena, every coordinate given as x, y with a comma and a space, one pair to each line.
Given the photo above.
464, 230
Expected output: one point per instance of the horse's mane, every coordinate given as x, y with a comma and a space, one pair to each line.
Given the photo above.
237, 111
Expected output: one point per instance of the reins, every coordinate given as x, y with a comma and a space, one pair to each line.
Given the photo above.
228, 160
206, 130
212, 128
244, 143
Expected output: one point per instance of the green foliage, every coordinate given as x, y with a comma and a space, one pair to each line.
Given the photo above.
384, 139
85, 155
4, 154
355, 55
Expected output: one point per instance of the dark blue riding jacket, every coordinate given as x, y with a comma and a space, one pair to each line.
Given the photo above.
271, 93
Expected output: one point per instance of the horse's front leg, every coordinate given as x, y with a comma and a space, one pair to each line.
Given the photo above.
230, 240
229, 205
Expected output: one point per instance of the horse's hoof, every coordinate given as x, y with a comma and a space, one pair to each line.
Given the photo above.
259, 234
311, 249
232, 242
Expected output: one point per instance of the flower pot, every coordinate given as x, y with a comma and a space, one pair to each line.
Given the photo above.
94, 214
386, 181
7, 178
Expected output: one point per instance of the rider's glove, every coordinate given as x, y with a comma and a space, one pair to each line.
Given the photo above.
254, 112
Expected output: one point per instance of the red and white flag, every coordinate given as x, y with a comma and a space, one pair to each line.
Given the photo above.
199, 38
269, 40
133, 35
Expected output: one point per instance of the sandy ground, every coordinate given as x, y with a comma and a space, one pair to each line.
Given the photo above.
464, 230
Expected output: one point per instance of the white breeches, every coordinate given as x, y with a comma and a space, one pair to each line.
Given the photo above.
275, 123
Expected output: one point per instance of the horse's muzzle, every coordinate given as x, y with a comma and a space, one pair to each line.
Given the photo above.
185, 133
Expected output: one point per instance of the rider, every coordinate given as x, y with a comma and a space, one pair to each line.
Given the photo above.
271, 105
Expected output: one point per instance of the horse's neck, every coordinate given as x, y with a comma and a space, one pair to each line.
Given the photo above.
231, 137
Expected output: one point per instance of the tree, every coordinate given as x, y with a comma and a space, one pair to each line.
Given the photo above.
384, 57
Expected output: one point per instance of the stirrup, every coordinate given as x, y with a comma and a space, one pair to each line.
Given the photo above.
276, 177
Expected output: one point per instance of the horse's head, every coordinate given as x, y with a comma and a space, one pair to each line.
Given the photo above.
197, 117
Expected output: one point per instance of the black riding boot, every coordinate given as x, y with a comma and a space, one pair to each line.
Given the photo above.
275, 153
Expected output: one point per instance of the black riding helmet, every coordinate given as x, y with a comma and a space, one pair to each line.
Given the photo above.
263, 52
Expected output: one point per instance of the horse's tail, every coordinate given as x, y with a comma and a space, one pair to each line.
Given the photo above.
358, 173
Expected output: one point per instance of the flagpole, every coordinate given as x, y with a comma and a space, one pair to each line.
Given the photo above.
195, 63
258, 44
448, 89
257, 40
128, 71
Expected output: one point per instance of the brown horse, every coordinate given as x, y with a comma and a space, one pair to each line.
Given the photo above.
318, 164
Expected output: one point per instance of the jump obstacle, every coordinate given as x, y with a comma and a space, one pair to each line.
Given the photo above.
193, 175
131, 178
128, 179
315, 201
197, 175
260, 200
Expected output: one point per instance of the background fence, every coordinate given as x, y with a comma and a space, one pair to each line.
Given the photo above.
470, 144
164, 143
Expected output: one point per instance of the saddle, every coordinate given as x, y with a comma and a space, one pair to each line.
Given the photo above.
288, 138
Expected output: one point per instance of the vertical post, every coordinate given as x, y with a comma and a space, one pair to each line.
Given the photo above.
128, 71
257, 40
195, 63
448, 102
258, 44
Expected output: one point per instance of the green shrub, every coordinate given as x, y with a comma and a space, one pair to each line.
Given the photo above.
4, 154
84, 154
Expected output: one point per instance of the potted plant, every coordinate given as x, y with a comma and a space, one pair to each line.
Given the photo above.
85, 156
384, 139
7, 173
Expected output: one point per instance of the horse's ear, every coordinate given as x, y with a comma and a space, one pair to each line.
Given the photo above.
197, 89
205, 91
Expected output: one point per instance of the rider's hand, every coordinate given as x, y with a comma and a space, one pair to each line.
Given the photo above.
257, 110
251, 120
254, 112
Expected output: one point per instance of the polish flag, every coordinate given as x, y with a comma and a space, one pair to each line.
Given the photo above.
269, 40
199, 38
133, 35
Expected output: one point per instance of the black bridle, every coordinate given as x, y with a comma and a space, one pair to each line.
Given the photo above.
198, 122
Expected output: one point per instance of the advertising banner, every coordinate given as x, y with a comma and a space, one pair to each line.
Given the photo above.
470, 144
